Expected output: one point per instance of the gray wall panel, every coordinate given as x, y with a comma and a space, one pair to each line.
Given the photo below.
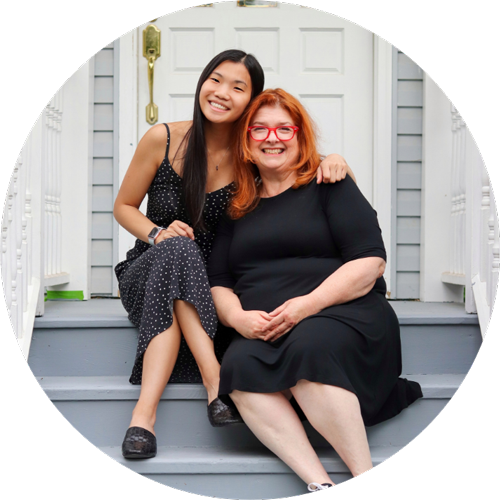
104, 228
407, 113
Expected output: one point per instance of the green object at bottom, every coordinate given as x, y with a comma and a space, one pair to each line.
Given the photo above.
66, 294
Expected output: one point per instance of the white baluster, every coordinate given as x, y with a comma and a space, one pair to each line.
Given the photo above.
28, 212
6, 270
13, 253
491, 241
18, 217
45, 167
58, 186
24, 235
48, 195
461, 247
456, 239
458, 199
485, 215
459, 191
453, 221
462, 175
495, 270
5, 256
37, 222
5, 266
48, 184
54, 188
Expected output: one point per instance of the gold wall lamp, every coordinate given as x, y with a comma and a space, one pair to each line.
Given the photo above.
151, 50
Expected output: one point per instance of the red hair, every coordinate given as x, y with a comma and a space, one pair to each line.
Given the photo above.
247, 192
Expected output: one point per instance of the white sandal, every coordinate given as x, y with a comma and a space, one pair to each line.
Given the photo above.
317, 486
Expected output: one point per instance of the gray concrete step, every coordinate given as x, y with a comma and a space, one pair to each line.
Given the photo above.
95, 338
82, 354
235, 472
100, 409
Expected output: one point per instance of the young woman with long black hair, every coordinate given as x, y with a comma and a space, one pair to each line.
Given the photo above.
186, 168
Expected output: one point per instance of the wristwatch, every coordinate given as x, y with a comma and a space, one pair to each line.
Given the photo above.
153, 234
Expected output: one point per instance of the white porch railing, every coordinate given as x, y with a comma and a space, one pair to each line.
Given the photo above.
474, 244
31, 224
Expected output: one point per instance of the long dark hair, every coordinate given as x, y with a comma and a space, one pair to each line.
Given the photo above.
194, 171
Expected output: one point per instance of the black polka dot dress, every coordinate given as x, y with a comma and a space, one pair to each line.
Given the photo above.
151, 277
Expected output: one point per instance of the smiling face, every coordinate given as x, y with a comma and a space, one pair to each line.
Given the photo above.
226, 93
273, 155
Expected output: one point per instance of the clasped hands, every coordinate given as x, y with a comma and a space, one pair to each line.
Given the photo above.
271, 326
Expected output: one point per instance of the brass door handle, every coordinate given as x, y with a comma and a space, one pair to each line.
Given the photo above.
151, 50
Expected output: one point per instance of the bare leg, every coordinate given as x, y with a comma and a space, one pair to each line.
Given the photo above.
335, 413
274, 422
201, 345
159, 361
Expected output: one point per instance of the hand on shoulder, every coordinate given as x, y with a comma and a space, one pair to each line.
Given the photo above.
333, 169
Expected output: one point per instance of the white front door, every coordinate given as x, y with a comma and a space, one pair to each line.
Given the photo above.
324, 60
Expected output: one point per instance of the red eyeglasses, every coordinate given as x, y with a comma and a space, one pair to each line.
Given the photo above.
284, 133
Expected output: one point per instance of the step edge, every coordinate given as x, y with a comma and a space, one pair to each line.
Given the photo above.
213, 461
81, 323
42, 322
436, 386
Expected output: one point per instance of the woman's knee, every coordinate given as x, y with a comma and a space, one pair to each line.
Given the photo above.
172, 335
248, 399
178, 242
306, 390
238, 397
179, 250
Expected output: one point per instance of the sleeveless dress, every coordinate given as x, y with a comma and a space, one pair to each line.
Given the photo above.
286, 248
151, 277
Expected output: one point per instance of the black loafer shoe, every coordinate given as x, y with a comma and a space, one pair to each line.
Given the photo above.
221, 414
139, 443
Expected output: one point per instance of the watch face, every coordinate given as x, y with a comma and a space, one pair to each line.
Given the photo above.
153, 232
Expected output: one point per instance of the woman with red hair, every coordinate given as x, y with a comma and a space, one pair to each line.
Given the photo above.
247, 194
296, 271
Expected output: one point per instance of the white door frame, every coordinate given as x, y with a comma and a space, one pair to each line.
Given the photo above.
382, 144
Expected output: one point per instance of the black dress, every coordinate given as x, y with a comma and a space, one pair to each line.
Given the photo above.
151, 277
286, 248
